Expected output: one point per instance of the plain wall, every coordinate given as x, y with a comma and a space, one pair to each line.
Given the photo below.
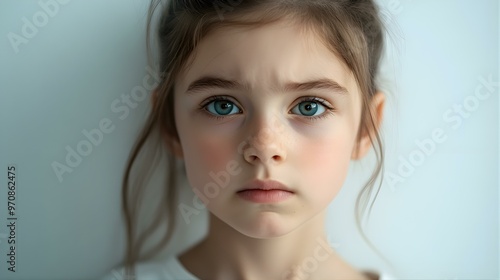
435, 217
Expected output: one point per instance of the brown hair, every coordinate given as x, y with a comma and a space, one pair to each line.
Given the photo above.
352, 29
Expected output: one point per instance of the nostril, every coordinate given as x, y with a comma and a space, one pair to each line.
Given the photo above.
266, 155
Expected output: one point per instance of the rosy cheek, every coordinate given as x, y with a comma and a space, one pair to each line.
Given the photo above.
214, 153
326, 163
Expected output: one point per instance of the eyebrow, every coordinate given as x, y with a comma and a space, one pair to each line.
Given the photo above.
210, 82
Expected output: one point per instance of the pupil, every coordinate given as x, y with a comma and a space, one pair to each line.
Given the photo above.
309, 108
223, 108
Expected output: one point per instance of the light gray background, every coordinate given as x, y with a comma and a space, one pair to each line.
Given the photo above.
441, 222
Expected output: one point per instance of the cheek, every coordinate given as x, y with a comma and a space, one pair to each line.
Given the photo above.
205, 154
327, 157
325, 163
214, 152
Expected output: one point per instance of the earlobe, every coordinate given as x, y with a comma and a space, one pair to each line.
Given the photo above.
362, 147
173, 145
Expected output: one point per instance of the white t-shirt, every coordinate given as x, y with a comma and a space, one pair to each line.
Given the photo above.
171, 269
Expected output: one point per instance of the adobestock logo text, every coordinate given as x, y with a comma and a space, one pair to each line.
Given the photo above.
31, 26
122, 108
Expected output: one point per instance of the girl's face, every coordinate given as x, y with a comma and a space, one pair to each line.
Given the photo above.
269, 103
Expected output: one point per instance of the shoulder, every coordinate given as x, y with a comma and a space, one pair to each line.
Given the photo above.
168, 269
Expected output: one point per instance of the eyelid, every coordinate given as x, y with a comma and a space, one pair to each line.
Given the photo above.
218, 98
329, 109
319, 100
203, 107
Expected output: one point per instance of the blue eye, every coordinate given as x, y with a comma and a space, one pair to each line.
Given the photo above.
222, 107
309, 108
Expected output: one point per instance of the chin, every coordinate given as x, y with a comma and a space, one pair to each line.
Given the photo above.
267, 225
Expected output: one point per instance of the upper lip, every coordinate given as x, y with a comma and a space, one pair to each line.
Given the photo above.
265, 185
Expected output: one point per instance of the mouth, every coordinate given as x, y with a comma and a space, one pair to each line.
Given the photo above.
267, 185
269, 191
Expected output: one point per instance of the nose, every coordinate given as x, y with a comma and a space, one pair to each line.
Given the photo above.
266, 145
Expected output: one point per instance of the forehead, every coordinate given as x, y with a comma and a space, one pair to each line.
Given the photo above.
265, 57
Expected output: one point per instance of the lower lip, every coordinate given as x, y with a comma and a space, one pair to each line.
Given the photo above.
265, 196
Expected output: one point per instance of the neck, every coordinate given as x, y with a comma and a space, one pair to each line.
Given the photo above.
301, 254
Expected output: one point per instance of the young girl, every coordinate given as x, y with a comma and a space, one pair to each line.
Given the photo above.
264, 103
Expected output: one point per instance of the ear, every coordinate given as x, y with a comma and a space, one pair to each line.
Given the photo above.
377, 111
171, 141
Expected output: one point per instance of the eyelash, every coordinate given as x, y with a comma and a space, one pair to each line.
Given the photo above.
203, 106
329, 110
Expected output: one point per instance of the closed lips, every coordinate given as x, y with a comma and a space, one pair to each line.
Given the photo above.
265, 186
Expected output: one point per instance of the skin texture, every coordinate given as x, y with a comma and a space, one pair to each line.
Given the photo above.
267, 137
